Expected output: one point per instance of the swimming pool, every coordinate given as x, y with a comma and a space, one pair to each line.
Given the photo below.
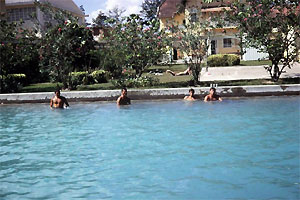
237, 149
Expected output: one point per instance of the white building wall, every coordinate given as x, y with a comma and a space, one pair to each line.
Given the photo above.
253, 54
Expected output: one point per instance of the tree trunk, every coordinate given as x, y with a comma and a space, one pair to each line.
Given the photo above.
275, 75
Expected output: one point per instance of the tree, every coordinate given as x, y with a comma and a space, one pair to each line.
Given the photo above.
133, 45
192, 39
149, 9
116, 14
65, 47
101, 20
18, 52
270, 26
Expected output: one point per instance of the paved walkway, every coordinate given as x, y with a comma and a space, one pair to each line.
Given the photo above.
244, 72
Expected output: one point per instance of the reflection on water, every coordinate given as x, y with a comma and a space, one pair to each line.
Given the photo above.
152, 150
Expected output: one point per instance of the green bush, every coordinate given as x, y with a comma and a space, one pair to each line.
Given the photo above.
81, 78
12, 82
223, 60
99, 76
144, 81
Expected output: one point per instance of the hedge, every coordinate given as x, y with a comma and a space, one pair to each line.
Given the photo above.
12, 83
223, 60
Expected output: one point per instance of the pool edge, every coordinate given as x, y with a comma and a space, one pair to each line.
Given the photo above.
148, 94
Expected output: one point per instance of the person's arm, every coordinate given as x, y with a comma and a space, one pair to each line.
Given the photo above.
51, 103
205, 98
118, 101
185, 98
220, 99
66, 102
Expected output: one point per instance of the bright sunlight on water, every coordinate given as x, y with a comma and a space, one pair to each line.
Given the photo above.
236, 149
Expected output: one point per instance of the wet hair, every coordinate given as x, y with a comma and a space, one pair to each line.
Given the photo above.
57, 91
192, 90
212, 88
125, 89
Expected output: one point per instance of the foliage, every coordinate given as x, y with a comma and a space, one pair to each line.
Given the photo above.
99, 76
78, 78
12, 82
149, 9
66, 48
192, 40
144, 81
18, 51
86, 78
132, 45
270, 26
223, 60
101, 20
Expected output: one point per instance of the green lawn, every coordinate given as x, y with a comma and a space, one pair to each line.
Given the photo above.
255, 62
166, 80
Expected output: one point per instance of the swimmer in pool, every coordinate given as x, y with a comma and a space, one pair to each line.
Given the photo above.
191, 97
212, 96
58, 101
123, 99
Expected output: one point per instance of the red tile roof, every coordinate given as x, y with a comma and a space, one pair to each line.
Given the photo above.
168, 8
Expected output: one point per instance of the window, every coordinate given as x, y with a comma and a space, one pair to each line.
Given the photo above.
16, 14
227, 42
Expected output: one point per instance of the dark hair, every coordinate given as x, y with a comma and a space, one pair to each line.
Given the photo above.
124, 89
192, 90
57, 91
212, 88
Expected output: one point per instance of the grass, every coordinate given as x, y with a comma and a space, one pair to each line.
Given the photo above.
166, 80
255, 62
41, 87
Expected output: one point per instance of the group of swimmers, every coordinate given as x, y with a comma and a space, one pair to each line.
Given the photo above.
59, 101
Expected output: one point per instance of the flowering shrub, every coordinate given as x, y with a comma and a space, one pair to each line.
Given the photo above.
270, 26
64, 47
133, 45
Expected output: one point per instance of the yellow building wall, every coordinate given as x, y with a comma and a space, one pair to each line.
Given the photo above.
176, 20
195, 6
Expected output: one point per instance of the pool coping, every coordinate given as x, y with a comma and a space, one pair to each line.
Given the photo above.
152, 94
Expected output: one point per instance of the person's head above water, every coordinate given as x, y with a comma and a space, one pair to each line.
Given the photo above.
192, 91
57, 93
124, 91
212, 90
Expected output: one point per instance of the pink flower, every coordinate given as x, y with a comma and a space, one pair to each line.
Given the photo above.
59, 29
245, 19
259, 5
274, 12
2, 44
66, 22
179, 37
297, 11
285, 11
159, 37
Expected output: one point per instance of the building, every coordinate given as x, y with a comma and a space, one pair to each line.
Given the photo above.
222, 40
16, 10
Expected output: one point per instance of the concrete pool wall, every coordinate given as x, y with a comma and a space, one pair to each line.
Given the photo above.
148, 94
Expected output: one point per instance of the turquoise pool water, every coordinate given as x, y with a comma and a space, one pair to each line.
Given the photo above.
236, 149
